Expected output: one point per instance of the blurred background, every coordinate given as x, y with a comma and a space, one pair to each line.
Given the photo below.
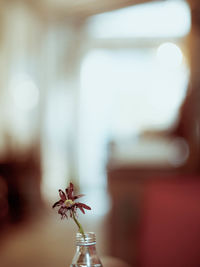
104, 94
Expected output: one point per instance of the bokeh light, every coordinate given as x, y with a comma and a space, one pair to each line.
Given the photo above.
169, 55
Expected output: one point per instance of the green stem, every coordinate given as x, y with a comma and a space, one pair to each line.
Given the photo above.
80, 228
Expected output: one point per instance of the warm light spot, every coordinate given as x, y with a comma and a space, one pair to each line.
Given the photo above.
169, 55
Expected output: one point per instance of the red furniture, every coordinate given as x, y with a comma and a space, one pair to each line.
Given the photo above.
170, 225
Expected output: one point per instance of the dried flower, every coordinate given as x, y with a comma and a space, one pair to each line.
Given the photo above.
68, 206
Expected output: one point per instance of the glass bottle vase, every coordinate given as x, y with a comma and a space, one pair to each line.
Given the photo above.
86, 253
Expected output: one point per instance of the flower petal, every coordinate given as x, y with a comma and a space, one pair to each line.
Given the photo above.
62, 195
63, 212
66, 210
81, 209
67, 192
71, 214
70, 191
82, 205
58, 203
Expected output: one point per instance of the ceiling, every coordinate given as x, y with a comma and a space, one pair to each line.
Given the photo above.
81, 8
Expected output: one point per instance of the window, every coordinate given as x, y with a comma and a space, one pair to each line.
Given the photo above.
134, 78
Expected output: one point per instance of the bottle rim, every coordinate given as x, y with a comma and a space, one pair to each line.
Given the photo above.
88, 239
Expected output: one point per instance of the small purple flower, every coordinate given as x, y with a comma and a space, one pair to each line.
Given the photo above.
67, 203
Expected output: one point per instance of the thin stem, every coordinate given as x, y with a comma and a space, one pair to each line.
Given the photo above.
79, 225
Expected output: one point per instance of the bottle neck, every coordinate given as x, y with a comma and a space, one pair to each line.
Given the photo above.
86, 244
86, 254
89, 239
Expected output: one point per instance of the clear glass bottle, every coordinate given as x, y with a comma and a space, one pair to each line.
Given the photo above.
86, 254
